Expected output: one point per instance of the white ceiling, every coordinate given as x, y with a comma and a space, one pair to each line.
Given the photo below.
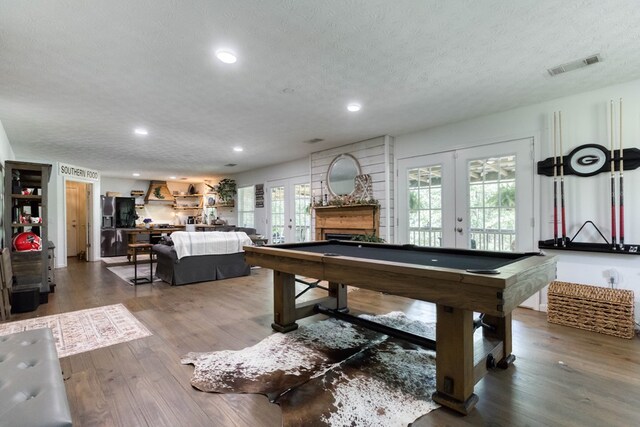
77, 76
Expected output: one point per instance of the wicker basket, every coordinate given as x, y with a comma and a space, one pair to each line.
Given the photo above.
603, 310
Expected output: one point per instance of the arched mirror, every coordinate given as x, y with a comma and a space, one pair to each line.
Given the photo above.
341, 175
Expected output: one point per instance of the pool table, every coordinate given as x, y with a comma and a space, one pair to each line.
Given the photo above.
458, 281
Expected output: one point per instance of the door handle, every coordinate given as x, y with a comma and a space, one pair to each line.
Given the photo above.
459, 230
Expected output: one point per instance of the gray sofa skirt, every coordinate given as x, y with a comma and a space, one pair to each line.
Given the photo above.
201, 268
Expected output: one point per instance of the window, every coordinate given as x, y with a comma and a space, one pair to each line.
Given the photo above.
246, 206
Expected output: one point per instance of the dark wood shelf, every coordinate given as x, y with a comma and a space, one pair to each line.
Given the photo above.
28, 224
33, 197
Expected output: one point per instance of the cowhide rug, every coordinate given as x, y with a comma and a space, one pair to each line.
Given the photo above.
330, 373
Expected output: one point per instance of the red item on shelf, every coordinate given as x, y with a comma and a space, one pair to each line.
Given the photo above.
27, 241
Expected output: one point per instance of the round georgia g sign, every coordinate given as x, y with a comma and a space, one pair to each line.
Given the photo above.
588, 159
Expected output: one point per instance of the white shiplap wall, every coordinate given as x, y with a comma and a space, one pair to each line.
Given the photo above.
376, 159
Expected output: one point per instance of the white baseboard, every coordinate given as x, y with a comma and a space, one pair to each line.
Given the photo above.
543, 307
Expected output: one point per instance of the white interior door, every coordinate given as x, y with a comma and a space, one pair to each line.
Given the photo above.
289, 218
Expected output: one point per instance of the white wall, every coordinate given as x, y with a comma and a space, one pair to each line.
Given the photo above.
585, 120
6, 153
375, 157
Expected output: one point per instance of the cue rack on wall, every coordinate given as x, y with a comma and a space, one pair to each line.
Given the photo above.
588, 160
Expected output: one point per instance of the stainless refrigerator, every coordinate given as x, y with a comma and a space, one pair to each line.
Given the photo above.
118, 214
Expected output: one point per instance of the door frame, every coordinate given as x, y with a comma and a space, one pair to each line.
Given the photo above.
535, 136
91, 237
529, 160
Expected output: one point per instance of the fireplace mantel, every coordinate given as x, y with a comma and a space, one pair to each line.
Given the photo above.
353, 219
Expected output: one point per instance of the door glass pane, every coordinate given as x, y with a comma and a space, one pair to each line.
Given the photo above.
277, 215
425, 205
492, 198
302, 214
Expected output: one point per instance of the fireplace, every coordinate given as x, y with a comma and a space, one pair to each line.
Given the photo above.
339, 236
347, 221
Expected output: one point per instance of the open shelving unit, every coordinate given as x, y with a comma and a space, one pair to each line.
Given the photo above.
26, 197
138, 194
185, 202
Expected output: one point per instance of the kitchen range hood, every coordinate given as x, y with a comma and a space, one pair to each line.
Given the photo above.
158, 192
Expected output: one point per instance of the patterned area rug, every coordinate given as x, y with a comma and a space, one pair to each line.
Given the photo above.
125, 272
330, 373
85, 330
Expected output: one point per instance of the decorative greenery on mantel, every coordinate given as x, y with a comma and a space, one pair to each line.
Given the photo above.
340, 201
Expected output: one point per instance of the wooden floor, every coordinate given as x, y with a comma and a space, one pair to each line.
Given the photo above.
562, 376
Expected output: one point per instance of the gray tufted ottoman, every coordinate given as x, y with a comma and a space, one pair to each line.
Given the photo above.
31, 389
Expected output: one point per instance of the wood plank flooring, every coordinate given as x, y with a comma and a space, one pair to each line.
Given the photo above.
562, 376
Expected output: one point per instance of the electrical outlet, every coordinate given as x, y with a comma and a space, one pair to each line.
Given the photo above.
613, 276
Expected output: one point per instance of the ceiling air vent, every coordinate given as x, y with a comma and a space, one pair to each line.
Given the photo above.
230, 165
313, 140
574, 65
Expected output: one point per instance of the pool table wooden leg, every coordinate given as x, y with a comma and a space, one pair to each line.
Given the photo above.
284, 302
339, 292
502, 331
454, 359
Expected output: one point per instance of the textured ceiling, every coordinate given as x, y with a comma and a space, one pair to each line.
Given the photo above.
77, 76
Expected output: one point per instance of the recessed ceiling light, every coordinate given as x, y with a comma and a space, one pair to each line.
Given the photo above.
172, 177
238, 149
141, 131
354, 107
226, 56
136, 174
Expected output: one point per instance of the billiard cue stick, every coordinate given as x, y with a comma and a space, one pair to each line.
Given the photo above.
562, 211
555, 182
621, 168
613, 183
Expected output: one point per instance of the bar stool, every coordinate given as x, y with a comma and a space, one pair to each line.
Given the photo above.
136, 246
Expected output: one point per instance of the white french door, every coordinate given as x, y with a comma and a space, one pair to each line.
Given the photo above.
475, 198
289, 219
